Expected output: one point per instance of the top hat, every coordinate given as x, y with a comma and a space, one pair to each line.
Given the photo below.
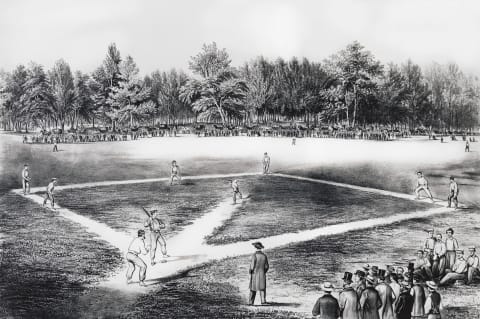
327, 287
411, 266
381, 273
258, 245
360, 273
347, 277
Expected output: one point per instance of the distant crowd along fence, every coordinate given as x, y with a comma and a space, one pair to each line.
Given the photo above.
103, 135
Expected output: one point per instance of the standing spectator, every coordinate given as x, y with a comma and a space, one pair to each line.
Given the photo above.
473, 265
360, 282
433, 304
467, 146
348, 299
395, 286
439, 251
258, 274
370, 300
387, 297
418, 294
452, 246
327, 306
404, 303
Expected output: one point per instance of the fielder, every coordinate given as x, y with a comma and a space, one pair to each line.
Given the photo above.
26, 180
266, 163
236, 190
137, 247
422, 184
175, 173
155, 224
453, 193
49, 195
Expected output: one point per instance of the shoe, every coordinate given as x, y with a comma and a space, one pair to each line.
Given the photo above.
166, 256
163, 261
129, 281
142, 284
153, 263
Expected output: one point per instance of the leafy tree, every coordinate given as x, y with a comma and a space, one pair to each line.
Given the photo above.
210, 61
130, 100
84, 107
63, 90
357, 69
259, 77
221, 96
37, 98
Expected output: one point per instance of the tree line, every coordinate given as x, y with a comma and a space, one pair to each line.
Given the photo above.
350, 88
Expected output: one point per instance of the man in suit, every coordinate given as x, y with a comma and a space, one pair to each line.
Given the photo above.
360, 284
458, 272
327, 306
473, 263
387, 296
404, 303
370, 300
418, 294
258, 274
348, 299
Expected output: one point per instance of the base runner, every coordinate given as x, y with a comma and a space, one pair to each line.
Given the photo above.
49, 195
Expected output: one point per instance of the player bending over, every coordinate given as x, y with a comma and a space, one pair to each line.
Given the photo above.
49, 195
137, 247
422, 185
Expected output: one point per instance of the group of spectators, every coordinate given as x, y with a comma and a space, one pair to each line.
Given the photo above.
402, 293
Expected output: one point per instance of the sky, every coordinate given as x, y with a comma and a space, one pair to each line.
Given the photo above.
165, 34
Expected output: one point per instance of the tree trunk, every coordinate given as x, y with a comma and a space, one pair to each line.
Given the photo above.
355, 103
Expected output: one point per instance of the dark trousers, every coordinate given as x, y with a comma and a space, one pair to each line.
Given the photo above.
453, 197
263, 296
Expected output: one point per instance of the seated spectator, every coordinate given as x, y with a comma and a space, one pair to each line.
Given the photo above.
473, 265
458, 271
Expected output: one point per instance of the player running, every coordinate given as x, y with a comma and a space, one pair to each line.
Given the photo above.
137, 247
236, 190
453, 193
422, 184
155, 224
175, 173
49, 195
266, 163
26, 180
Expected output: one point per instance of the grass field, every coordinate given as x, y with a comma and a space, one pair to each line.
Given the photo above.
51, 267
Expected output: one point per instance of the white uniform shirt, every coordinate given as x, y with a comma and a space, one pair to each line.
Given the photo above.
137, 246
50, 187
25, 174
451, 244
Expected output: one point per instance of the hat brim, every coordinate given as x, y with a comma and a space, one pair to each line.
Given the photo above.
258, 245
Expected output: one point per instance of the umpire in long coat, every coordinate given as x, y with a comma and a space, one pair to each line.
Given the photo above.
348, 299
258, 274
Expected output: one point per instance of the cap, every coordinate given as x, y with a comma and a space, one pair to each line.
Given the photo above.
54, 179
429, 230
366, 267
140, 232
471, 248
459, 251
